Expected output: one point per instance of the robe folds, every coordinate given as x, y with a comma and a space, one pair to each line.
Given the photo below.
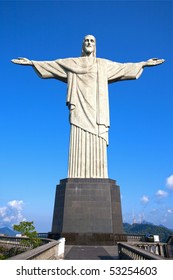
88, 101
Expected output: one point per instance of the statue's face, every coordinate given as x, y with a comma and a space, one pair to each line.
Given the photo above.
89, 45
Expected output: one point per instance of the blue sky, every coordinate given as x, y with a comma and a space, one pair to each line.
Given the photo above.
34, 119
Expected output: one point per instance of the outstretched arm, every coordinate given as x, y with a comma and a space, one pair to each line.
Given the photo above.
22, 61
45, 69
129, 71
152, 62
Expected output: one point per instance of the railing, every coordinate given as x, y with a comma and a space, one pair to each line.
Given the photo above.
18, 241
139, 251
135, 237
50, 249
53, 250
43, 235
155, 248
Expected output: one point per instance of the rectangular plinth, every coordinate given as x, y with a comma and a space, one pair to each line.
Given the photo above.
87, 206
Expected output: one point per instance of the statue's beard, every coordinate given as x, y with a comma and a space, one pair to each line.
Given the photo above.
89, 50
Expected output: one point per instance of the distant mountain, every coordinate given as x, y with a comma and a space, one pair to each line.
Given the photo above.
148, 228
7, 231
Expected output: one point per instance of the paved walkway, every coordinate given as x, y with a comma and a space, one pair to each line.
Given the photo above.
91, 252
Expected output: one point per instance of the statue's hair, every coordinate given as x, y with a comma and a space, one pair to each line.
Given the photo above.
83, 52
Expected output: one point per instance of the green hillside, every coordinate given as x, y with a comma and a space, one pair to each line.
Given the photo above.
147, 228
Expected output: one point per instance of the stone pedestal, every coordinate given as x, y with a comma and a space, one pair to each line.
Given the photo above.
87, 209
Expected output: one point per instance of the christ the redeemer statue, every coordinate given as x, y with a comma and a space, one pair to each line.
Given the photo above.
87, 99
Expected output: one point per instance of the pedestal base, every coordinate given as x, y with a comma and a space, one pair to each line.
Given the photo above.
88, 210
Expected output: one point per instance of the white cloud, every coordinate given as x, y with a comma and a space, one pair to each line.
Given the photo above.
169, 211
3, 211
169, 182
144, 199
161, 194
11, 213
16, 204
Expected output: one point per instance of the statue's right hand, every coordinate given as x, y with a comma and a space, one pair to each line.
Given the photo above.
22, 60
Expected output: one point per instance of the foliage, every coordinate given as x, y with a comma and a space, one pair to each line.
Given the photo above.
27, 229
148, 228
6, 252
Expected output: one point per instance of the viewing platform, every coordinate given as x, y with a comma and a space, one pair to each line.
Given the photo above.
133, 249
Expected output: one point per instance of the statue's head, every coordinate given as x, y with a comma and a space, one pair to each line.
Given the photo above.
89, 46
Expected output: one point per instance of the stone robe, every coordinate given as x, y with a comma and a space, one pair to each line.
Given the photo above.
88, 102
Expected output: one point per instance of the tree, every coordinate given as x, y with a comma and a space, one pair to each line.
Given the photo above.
27, 229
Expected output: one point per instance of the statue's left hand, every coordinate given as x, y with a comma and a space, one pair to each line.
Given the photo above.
22, 60
153, 62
